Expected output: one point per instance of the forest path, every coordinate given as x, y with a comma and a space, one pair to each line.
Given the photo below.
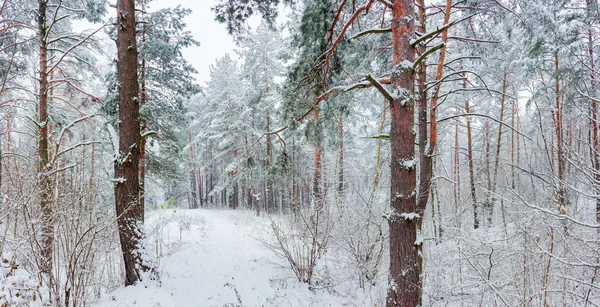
212, 258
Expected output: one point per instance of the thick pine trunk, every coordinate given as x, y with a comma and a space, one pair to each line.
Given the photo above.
405, 263
127, 185
43, 156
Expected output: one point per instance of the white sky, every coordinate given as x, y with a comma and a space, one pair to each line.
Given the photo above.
213, 37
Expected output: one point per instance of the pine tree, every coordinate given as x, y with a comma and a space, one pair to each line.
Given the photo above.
127, 185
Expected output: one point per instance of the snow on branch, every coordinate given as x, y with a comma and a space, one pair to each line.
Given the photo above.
57, 151
372, 31
488, 117
439, 30
364, 8
81, 42
380, 87
389, 5
365, 83
555, 214
425, 54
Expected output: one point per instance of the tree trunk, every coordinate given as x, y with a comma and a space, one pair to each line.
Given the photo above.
127, 185
199, 185
317, 192
269, 201
193, 178
43, 156
487, 205
456, 169
405, 264
591, 7
470, 162
557, 115
425, 166
490, 201
378, 156
340, 188
143, 128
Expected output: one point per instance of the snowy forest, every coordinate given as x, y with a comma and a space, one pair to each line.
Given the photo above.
345, 153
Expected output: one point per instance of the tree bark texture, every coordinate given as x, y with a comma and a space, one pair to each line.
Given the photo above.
405, 265
127, 185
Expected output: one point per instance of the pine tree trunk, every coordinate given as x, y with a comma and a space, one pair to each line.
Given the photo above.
470, 162
143, 128
456, 168
317, 192
425, 167
491, 194
487, 205
595, 148
557, 115
378, 156
43, 156
405, 263
200, 189
340, 188
193, 178
127, 185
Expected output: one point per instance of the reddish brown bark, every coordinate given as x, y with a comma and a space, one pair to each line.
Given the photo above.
425, 167
127, 185
405, 263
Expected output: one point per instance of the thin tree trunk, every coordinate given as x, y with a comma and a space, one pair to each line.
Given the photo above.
456, 169
235, 195
491, 198
557, 116
592, 6
269, 205
127, 185
487, 205
405, 264
193, 179
317, 165
143, 101
425, 166
340, 188
200, 189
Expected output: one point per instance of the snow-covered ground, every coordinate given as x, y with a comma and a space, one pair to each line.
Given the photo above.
216, 258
